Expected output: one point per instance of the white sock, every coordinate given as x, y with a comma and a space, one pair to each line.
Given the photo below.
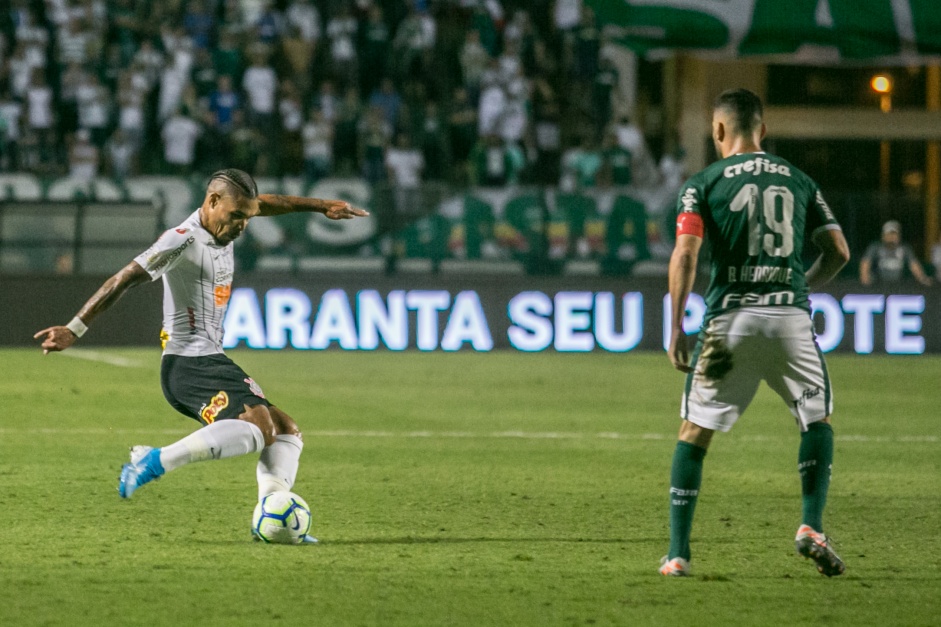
225, 438
277, 465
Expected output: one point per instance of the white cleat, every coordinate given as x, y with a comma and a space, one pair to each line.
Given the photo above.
676, 567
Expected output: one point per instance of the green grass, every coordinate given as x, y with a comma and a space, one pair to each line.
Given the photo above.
430, 513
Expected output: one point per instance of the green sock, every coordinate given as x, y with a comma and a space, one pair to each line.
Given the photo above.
685, 478
814, 462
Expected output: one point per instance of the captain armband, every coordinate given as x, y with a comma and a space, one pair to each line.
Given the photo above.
688, 223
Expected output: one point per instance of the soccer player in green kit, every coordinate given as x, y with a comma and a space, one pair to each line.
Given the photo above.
757, 210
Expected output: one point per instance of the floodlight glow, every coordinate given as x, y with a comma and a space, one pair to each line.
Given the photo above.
881, 84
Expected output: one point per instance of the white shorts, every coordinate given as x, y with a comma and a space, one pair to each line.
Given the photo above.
774, 344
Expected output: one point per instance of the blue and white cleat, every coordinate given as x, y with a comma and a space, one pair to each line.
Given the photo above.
143, 468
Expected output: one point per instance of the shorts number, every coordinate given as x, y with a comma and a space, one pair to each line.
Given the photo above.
763, 210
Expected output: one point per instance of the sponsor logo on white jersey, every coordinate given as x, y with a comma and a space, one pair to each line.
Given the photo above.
170, 256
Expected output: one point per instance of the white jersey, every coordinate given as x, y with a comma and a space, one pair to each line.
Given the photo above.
197, 282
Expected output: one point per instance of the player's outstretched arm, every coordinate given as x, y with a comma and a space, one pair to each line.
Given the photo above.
276, 205
59, 338
835, 253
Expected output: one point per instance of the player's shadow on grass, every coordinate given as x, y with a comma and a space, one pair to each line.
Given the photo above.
450, 540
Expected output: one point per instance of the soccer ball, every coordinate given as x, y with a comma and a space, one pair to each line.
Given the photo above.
281, 518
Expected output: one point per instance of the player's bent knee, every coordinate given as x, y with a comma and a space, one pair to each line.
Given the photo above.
284, 424
694, 434
259, 416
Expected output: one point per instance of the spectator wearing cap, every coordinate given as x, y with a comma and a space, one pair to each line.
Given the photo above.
886, 261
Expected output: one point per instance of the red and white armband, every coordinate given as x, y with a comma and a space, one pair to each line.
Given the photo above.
688, 223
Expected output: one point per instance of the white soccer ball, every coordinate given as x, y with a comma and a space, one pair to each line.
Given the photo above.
281, 518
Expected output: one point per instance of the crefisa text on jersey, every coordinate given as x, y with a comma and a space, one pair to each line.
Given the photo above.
755, 167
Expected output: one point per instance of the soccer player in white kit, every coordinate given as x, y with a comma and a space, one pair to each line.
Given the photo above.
196, 262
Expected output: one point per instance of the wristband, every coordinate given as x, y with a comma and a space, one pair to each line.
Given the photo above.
77, 327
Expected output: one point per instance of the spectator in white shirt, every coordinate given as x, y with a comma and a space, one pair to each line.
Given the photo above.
567, 14
149, 61
260, 83
121, 152
20, 70
303, 15
490, 110
631, 138
414, 40
40, 117
94, 108
179, 142
509, 62
173, 81
74, 43
318, 147
34, 37
514, 121
11, 114
404, 163
131, 118
70, 80
291, 111
327, 101
342, 29
474, 61
83, 157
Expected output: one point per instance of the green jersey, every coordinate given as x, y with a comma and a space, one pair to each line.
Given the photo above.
758, 210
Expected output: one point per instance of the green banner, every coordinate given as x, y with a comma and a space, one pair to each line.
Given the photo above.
790, 31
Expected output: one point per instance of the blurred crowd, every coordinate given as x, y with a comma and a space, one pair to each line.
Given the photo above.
483, 92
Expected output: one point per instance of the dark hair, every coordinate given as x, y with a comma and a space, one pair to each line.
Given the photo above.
240, 180
745, 108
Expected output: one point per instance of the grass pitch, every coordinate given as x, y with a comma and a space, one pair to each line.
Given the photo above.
462, 489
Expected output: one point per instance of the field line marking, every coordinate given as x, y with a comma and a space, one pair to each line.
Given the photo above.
105, 358
501, 435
